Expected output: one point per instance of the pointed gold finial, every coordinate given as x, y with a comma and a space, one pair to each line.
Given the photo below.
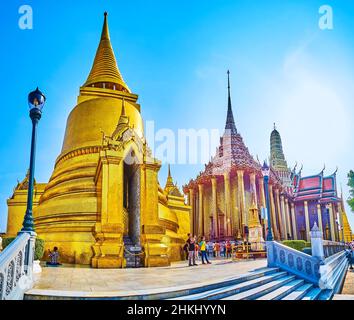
169, 182
105, 31
105, 72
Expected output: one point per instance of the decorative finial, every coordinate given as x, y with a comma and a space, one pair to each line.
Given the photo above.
228, 82
169, 170
295, 167
275, 126
301, 169
105, 13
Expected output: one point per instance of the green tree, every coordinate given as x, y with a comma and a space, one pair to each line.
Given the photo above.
351, 190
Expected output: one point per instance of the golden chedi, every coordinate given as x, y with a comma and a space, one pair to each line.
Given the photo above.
104, 196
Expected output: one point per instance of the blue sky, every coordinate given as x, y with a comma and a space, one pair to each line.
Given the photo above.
175, 55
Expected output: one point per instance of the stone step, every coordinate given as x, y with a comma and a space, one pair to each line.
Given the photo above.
312, 294
299, 293
326, 294
224, 291
261, 290
283, 291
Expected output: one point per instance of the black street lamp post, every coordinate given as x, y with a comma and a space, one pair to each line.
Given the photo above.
265, 172
36, 101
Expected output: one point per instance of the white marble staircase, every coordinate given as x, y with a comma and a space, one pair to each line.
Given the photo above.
263, 284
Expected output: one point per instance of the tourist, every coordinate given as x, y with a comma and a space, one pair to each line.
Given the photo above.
217, 249
185, 247
222, 249
349, 255
233, 247
197, 252
210, 249
54, 257
228, 249
202, 245
191, 251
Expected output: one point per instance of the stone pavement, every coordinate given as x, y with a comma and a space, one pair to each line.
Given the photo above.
348, 287
73, 281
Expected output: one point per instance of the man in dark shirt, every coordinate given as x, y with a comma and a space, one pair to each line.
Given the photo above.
191, 251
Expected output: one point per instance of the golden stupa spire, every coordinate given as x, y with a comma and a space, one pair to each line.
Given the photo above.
169, 183
105, 72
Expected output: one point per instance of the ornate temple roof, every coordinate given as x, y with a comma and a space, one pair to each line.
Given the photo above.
105, 69
232, 153
315, 187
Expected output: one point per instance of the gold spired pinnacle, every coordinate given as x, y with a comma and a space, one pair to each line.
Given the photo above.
169, 183
105, 72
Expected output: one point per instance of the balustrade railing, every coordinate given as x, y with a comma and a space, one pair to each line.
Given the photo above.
16, 264
331, 247
293, 261
326, 271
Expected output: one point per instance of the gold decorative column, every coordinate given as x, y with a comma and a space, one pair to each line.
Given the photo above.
200, 211
283, 214
108, 249
192, 212
332, 222
261, 192
272, 209
241, 192
293, 218
263, 203
287, 213
227, 203
235, 211
253, 186
307, 220
319, 217
280, 220
214, 207
152, 232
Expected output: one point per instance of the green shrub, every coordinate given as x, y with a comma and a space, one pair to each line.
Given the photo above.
308, 244
38, 251
6, 242
295, 244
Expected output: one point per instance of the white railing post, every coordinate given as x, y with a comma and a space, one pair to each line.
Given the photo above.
317, 242
29, 254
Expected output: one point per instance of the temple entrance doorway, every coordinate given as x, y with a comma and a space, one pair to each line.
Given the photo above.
131, 212
221, 226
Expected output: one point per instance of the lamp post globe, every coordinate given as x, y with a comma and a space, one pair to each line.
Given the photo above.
265, 172
36, 101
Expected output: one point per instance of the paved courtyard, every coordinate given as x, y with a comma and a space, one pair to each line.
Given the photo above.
348, 287
102, 282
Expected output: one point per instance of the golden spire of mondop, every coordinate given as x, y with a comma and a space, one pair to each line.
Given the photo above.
169, 182
105, 72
